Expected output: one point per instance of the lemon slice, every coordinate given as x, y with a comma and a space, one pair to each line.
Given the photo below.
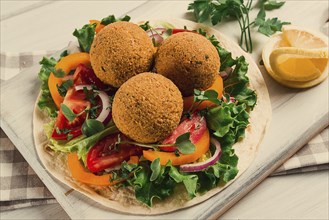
297, 57
298, 64
302, 38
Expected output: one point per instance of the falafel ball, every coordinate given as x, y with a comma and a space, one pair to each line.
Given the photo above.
189, 60
120, 51
147, 108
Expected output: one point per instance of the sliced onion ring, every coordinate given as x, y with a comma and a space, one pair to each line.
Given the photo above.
105, 115
153, 31
195, 167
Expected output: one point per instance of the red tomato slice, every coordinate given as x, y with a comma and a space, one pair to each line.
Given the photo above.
105, 154
84, 75
176, 30
196, 125
75, 100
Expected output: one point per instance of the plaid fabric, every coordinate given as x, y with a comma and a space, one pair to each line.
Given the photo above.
312, 157
21, 187
19, 184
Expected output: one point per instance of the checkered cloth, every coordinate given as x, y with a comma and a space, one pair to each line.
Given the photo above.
20, 186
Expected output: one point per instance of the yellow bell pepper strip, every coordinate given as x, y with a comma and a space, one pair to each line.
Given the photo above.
201, 147
99, 26
66, 64
217, 86
79, 173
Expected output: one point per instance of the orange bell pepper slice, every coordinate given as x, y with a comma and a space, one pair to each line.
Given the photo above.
66, 64
79, 173
99, 26
217, 86
201, 147
133, 160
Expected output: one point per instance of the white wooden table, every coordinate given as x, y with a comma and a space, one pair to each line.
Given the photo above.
47, 25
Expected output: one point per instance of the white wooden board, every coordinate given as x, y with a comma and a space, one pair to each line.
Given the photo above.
297, 116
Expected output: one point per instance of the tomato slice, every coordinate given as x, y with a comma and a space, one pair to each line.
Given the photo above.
84, 75
196, 125
177, 30
75, 100
105, 154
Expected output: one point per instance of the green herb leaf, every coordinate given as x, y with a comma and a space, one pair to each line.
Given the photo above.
156, 169
68, 113
271, 4
184, 144
146, 26
62, 89
85, 36
111, 19
210, 95
201, 9
269, 26
227, 10
91, 127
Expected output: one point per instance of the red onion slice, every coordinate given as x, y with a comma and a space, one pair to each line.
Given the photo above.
158, 31
195, 167
104, 116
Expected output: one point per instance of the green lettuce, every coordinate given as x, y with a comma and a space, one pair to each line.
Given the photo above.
81, 144
45, 101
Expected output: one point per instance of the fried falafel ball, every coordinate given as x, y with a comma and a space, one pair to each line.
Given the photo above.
147, 108
189, 60
120, 51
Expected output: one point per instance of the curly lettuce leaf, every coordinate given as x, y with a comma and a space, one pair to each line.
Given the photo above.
81, 144
45, 101
85, 36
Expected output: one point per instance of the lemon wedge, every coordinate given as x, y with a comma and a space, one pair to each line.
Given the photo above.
297, 57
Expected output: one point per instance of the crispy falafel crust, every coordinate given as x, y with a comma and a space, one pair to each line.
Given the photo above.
189, 56
119, 51
147, 108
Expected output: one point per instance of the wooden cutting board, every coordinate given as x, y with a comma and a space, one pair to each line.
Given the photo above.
297, 116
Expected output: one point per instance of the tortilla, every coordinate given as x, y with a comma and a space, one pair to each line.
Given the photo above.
123, 199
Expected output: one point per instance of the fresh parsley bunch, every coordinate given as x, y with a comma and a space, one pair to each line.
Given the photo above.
221, 10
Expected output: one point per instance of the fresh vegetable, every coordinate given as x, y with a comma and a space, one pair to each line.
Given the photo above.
79, 173
108, 20
45, 101
196, 167
65, 65
216, 86
71, 116
202, 146
195, 125
221, 10
81, 144
219, 114
105, 104
107, 153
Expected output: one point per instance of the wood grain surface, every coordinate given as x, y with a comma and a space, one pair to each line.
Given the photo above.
297, 114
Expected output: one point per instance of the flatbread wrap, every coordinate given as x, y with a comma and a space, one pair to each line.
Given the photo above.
125, 194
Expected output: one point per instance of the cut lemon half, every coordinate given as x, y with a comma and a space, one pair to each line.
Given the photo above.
298, 64
297, 57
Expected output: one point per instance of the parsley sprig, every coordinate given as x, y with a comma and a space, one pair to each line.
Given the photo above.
221, 10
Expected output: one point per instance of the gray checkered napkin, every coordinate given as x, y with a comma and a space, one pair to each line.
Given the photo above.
21, 187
